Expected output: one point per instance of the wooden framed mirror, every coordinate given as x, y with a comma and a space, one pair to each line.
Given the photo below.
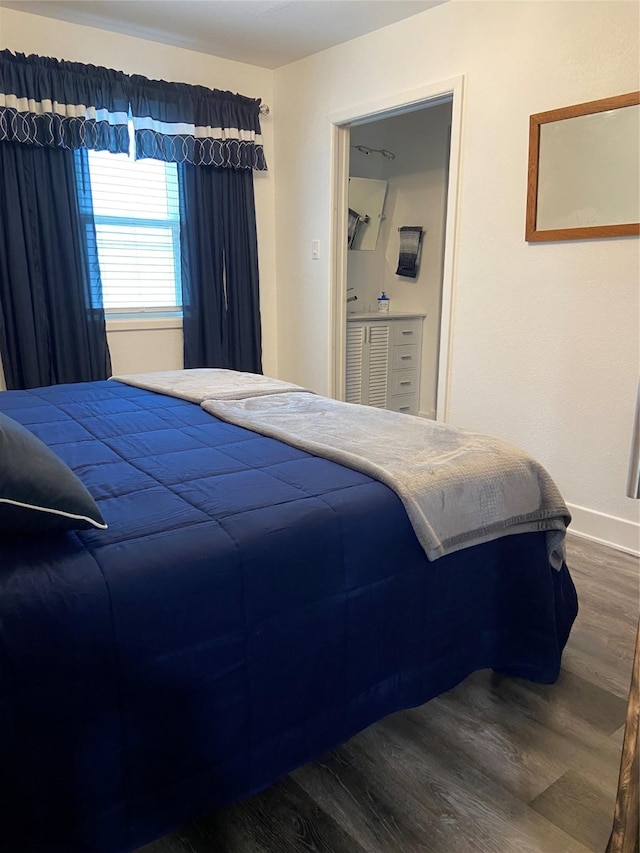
584, 171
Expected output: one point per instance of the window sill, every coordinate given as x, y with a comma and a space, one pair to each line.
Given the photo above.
144, 322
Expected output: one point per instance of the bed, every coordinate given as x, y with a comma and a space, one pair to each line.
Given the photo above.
250, 606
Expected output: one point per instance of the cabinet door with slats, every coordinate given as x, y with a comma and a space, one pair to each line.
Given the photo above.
355, 363
378, 365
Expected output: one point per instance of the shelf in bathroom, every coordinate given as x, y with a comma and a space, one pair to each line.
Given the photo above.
385, 315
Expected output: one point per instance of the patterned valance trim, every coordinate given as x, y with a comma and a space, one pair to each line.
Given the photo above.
54, 131
224, 153
54, 125
50, 102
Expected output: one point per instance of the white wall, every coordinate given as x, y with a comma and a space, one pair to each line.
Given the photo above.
156, 344
141, 348
545, 337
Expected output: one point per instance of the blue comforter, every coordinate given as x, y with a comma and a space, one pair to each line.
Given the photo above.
249, 607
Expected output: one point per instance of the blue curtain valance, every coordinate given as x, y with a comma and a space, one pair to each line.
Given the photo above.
181, 123
57, 104
54, 103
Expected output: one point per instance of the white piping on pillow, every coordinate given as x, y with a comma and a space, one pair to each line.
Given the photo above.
91, 521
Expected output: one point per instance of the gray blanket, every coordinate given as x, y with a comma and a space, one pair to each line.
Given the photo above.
459, 488
207, 383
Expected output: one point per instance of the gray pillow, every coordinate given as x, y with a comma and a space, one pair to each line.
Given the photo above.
38, 492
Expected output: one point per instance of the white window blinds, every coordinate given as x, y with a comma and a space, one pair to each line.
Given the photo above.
136, 212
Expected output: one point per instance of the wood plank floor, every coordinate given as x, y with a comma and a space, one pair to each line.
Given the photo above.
496, 765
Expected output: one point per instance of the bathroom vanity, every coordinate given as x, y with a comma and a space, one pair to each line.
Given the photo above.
383, 360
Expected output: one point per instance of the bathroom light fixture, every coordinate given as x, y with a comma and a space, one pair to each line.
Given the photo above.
363, 149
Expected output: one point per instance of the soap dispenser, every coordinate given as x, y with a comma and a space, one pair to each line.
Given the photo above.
383, 302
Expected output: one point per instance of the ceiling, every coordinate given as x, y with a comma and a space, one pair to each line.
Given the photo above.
268, 33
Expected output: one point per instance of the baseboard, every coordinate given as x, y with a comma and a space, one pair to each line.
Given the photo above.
606, 529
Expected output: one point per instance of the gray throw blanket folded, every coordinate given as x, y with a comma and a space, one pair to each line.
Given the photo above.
207, 383
459, 488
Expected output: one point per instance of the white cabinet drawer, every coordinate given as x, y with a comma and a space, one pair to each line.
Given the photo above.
407, 404
383, 357
404, 381
406, 331
404, 356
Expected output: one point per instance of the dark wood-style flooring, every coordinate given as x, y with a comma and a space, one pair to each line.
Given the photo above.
494, 766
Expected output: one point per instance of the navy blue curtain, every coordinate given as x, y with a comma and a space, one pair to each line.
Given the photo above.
220, 283
52, 325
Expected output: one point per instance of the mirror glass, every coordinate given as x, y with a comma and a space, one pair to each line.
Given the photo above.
366, 203
589, 170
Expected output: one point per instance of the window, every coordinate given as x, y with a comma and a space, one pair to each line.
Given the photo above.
136, 212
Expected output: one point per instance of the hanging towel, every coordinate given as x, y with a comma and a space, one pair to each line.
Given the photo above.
410, 239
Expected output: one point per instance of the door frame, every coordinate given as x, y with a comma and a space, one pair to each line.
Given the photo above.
341, 123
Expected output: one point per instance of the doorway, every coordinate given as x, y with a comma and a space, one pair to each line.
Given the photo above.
363, 127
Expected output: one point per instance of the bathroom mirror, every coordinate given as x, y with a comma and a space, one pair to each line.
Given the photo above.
366, 203
584, 171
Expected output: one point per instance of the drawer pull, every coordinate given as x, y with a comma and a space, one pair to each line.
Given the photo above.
406, 382
407, 331
404, 408
405, 358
